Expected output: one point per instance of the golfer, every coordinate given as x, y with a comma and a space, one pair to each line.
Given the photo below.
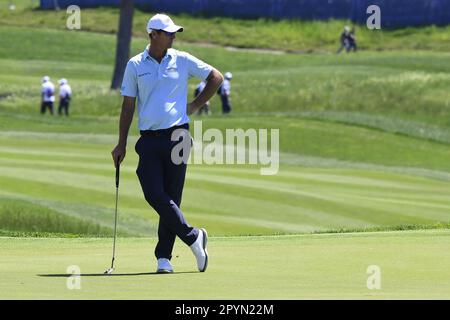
158, 78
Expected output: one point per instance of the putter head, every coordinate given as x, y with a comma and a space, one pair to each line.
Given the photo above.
109, 271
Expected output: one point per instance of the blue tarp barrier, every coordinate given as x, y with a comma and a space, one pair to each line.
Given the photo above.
394, 13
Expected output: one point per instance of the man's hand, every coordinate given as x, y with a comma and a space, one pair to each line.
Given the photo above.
118, 154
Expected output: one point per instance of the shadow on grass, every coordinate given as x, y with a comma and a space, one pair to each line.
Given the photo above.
67, 275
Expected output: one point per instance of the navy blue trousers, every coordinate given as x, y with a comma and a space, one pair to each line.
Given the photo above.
162, 182
226, 106
45, 105
64, 105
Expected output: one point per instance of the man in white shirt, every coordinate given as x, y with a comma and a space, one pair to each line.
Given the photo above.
65, 94
225, 91
47, 95
158, 78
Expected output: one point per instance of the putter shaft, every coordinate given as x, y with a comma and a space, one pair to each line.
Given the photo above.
115, 218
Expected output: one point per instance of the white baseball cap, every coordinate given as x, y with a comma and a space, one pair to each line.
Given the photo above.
162, 22
228, 75
45, 79
62, 81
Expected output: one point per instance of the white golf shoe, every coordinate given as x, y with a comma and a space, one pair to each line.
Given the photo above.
164, 266
199, 250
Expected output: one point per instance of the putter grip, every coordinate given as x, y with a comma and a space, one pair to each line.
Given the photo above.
117, 174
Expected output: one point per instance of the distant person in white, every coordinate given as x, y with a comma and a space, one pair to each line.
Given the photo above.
225, 91
48, 95
205, 108
65, 94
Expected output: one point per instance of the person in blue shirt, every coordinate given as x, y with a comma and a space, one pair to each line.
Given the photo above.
225, 91
158, 79
348, 40
65, 95
205, 108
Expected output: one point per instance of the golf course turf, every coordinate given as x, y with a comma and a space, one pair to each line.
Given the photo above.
364, 175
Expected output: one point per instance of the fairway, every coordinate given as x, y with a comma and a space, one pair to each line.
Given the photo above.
413, 265
228, 199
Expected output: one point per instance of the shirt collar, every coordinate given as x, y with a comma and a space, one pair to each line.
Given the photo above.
147, 56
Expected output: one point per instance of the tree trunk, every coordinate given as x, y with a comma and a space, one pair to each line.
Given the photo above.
123, 41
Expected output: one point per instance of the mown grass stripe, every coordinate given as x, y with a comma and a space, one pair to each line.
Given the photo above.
129, 224
399, 190
363, 211
69, 194
69, 179
338, 211
52, 153
273, 225
99, 183
273, 186
82, 139
93, 196
264, 208
346, 177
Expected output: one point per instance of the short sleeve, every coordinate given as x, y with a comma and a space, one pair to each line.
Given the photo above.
197, 68
129, 83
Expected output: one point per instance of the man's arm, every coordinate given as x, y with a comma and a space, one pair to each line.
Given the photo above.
126, 117
213, 81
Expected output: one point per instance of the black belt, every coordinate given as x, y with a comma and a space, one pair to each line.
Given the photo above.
163, 132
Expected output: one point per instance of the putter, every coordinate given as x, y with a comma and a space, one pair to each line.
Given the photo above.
110, 270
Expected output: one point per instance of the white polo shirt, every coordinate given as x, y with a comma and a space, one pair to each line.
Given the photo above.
65, 91
162, 88
48, 89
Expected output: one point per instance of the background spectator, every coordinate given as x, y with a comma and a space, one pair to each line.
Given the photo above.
47, 94
65, 94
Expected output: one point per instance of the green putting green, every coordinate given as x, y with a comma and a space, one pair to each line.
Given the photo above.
412, 265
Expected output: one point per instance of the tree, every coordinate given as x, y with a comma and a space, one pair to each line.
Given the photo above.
123, 41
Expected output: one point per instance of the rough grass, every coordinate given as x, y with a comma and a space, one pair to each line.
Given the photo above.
287, 35
403, 86
18, 217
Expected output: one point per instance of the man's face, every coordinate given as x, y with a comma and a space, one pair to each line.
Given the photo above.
164, 38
